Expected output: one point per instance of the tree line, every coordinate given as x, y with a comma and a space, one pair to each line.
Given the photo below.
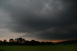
22, 41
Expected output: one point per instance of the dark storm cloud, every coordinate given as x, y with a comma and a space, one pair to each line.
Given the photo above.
59, 34
43, 19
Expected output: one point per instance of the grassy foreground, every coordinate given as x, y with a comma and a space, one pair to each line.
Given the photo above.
40, 48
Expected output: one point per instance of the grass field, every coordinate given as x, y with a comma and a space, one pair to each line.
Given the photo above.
39, 48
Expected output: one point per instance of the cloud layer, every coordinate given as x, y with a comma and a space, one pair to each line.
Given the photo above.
42, 19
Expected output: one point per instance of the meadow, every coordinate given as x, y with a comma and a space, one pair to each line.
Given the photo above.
40, 48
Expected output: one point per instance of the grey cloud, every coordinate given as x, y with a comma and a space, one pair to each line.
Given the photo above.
39, 16
59, 34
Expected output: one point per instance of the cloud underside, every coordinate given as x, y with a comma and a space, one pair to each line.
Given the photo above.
42, 19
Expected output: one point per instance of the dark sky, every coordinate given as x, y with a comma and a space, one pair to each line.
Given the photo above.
38, 19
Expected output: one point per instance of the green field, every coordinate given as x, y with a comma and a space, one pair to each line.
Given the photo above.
40, 48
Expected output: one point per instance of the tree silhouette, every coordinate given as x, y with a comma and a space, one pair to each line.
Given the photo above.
11, 40
22, 41
5, 42
19, 40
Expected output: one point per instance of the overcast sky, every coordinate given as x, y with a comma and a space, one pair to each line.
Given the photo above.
38, 19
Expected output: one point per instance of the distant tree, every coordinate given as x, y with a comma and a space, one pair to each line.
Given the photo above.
19, 40
11, 40
4, 40
33, 42
1, 43
23, 40
27, 42
0, 40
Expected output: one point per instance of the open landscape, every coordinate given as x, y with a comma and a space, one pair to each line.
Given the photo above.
38, 25
40, 48
20, 44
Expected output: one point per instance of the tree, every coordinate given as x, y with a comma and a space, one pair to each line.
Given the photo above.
5, 42
11, 40
33, 42
23, 40
19, 40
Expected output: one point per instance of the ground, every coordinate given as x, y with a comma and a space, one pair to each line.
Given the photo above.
40, 48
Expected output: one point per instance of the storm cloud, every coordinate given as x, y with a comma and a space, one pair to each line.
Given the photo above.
42, 19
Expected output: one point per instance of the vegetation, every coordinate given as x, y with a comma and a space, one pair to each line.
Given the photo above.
40, 48
20, 44
23, 42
